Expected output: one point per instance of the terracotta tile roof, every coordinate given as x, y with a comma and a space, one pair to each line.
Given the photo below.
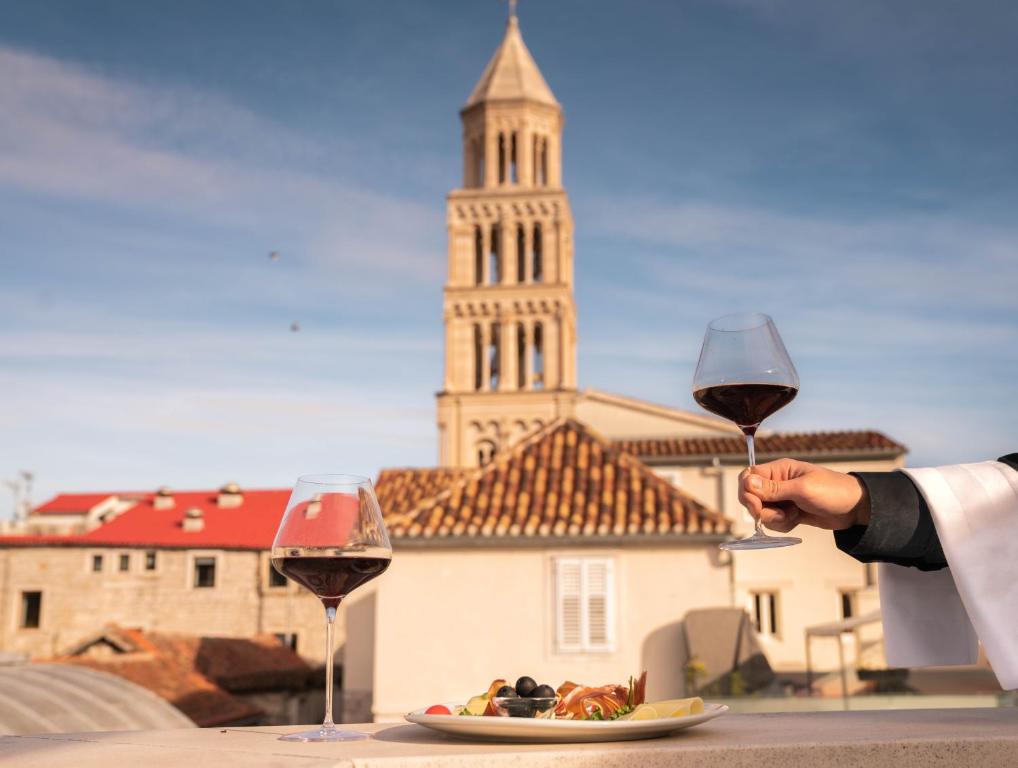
794, 444
196, 674
259, 663
71, 503
400, 490
564, 481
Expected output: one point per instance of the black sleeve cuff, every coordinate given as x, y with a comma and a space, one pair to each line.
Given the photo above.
900, 529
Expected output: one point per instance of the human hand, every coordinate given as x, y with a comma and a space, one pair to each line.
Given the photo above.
786, 492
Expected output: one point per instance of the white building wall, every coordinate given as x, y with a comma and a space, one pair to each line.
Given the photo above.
450, 621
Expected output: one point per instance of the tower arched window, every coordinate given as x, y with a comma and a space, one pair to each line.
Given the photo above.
537, 272
501, 158
536, 159
478, 256
538, 349
495, 256
521, 254
541, 161
485, 452
514, 174
478, 157
478, 358
494, 356
521, 356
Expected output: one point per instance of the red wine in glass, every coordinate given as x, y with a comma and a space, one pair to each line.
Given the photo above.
329, 577
744, 374
745, 404
331, 541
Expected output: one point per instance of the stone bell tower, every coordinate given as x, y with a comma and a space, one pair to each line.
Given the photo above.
510, 317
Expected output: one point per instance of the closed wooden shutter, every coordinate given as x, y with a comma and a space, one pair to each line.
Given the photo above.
568, 588
584, 605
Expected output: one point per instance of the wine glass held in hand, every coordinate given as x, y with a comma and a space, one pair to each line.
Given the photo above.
330, 541
744, 374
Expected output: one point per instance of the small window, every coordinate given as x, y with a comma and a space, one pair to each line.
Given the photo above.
514, 176
521, 356
289, 639
276, 579
537, 268
537, 367
501, 158
125, 562
847, 603
521, 254
495, 256
495, 356
485, 452
584, 591
478, 357
765, 612
31, 609
204, 572
478, 256
150, 561
97, 563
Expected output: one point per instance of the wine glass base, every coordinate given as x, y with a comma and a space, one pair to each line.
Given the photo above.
325, 734
760, 542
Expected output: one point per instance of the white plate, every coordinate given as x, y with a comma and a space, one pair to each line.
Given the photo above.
530, 729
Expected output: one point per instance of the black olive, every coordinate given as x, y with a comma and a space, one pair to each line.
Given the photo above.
542, 692
505, 690
519, 708
525, 685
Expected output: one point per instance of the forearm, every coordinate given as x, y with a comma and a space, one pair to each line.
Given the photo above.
900, 529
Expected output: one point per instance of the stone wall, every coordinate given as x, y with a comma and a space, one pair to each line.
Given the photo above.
77, 601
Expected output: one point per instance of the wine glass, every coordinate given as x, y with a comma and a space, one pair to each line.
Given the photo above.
745, 374
330, 541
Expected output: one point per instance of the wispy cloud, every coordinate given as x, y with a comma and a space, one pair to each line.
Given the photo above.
142, 327
78, 135
894, 320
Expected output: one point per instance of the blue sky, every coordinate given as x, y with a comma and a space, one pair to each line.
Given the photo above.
850, 168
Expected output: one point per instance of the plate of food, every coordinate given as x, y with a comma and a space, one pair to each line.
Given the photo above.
572, 712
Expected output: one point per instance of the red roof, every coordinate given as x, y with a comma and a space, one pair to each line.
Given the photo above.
34, 540
250, 525
72, 503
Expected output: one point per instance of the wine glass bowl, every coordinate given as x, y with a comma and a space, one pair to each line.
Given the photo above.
744, 374
331, 540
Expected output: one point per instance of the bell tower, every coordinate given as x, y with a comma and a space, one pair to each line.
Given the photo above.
510, 317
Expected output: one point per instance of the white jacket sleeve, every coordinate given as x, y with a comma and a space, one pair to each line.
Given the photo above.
933, 617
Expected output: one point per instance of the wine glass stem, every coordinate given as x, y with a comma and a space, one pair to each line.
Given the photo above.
751, 450
330, 620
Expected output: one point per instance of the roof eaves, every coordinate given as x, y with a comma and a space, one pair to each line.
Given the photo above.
543, 542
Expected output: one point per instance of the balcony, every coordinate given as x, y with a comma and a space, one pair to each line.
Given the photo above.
960, 737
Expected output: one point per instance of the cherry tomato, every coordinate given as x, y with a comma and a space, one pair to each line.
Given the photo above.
437, 709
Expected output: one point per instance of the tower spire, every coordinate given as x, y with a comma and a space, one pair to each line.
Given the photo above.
512, 9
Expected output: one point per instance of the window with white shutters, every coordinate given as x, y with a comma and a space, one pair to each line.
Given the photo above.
584, 605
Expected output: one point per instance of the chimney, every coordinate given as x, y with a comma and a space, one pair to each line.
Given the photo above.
194, 519
230, 496
163, 499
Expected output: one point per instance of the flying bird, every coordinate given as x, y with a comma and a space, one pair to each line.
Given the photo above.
294, 327
274, 255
